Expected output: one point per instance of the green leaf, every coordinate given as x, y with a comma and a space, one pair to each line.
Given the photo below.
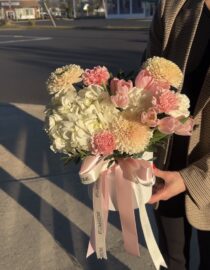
158, 136
183, 120
110, 163
158, 140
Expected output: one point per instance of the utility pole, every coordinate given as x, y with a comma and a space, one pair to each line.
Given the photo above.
49, 13
74, 9
105, 8
9, 8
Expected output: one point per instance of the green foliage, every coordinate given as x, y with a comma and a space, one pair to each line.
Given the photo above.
129, 76
31, 22
75, 157
183, 120
158, 140
118, 155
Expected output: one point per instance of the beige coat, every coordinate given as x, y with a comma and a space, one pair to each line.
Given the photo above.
171, 36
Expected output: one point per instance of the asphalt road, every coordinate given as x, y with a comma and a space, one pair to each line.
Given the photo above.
45, 212
27, 57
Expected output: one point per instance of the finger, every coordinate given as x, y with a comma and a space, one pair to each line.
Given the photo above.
160, 195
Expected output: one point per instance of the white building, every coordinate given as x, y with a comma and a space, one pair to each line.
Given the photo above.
19, 9
129, 8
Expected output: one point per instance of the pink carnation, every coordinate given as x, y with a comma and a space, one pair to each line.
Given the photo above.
118, 85
165, 102
98, 75
103, 143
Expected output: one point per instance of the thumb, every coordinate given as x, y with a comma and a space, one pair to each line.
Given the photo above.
157, 196
159, 173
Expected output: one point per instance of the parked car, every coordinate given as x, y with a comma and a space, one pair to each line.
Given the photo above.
44, 15
99, 11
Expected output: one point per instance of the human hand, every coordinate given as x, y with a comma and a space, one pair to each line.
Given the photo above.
173, 185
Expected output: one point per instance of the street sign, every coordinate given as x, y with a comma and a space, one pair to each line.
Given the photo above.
9, 4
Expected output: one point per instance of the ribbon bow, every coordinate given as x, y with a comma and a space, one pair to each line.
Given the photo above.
123, 186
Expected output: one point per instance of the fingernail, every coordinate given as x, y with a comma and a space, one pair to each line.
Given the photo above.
153, 166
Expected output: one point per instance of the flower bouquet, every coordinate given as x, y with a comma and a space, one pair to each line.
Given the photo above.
113, 124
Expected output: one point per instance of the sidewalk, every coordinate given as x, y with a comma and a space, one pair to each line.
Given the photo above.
45, 211
86, 23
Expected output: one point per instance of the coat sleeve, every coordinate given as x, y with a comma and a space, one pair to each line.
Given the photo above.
197, 180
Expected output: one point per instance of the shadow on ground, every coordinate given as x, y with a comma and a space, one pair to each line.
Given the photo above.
24, 129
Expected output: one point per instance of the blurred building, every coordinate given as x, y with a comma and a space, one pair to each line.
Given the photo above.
129, 8
19, 9
58, 8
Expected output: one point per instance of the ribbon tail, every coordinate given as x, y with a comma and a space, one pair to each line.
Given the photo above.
146, 227
91, 244
126, 211
97, 241
105, 192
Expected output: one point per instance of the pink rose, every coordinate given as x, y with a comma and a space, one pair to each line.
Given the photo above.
168, 125
98, 75
145, 80
186, 128
117, 85
165, 102
103, 143
149, 118
121, 99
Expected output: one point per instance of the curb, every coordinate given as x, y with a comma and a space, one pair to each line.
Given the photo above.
119, 28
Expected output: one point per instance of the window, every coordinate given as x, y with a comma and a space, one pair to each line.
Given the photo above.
137, 6
29, 11
124, 6
112, 6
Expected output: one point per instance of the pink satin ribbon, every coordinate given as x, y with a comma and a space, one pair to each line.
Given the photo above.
123, 173
126, 211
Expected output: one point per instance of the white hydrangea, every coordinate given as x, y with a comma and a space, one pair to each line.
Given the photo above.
52, 120
58, 143
184, 105
139, 100
76, 117
90, 94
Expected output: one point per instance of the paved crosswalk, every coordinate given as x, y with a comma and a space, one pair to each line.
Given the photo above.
10, 39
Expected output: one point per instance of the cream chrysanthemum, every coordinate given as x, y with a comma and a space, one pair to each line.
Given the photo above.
164, 70
63, 78
131, 136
